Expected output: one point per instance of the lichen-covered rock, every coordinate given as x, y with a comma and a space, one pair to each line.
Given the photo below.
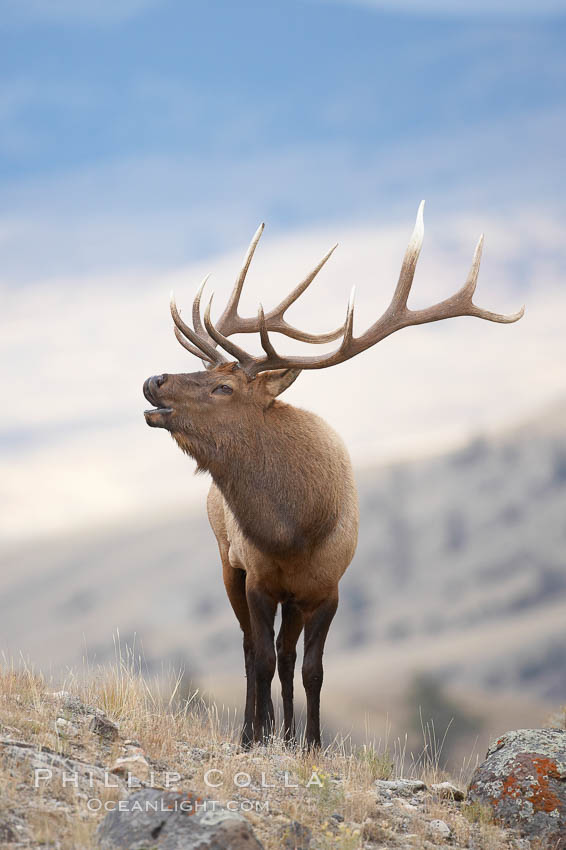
523, 779
172, 820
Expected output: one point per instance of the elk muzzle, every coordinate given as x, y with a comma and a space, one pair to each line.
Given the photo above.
156, 417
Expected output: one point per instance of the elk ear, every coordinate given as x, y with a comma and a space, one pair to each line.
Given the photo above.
277, 382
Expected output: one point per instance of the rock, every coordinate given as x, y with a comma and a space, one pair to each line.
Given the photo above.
523, 780
48, 768
72, 703
171, 820
65, 728
405, 805
447, 791
399, 787
134, 764
195, 753
199, 754
101, 725
439, 829
295, 836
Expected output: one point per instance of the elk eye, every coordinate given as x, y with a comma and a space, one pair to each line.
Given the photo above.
223, 388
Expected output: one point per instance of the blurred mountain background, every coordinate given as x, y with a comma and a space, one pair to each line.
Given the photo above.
141, 143
457, 587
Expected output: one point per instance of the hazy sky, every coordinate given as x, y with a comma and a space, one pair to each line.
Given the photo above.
141, 143
152, 132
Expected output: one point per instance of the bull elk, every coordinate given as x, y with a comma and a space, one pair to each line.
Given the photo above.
282, 503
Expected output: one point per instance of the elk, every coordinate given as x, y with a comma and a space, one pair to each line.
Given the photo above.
282, 503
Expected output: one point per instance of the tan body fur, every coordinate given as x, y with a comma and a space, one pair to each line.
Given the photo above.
312, 575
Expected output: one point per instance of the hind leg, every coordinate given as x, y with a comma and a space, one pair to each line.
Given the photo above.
291, 628
317, 624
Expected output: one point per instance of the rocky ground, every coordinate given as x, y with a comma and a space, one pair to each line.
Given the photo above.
67, 757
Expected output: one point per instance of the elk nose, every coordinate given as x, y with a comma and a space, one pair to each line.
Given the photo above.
160, 379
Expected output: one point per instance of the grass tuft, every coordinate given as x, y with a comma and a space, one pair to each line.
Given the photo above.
331, 793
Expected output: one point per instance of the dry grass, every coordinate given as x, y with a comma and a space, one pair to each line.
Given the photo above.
332, 792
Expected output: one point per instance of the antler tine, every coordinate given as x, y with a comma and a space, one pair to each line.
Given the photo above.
275, 318
212, 355
197, 324
472, 279
304, 336
273, 360
304, 284
230, 316
469, 288
349, 323
266, 343
461, 303
241, 356
192, 349
230, 322
502, 318
407, 273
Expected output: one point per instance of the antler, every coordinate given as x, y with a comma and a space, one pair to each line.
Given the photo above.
231, 322
396, 316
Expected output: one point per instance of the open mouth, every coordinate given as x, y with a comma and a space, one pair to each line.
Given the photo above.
157, 406
159, 409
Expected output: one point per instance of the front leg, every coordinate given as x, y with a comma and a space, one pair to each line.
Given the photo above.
235, 584
262, 608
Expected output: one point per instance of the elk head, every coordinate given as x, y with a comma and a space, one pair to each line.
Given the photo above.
204, 408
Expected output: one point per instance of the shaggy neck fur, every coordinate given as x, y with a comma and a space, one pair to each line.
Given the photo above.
279, 473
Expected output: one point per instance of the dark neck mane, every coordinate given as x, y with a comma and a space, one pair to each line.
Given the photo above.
282, 480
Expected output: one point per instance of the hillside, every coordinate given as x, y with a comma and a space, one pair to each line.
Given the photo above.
68, 757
